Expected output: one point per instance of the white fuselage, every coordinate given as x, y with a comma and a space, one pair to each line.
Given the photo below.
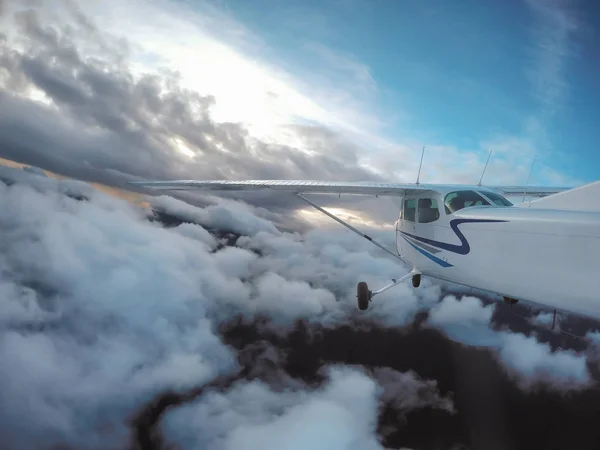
549, 257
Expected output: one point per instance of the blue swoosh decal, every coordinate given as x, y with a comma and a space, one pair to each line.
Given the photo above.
435, 259
426, 247
464, 248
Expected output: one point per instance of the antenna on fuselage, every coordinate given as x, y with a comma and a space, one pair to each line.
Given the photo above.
529, 176
485, 167
421, 163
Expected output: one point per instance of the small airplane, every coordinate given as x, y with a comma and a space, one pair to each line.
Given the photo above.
544, 251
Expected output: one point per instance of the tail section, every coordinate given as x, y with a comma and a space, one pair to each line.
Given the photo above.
582, 198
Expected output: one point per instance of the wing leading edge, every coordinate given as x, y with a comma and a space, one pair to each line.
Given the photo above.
530, 191
294, 186
333, 187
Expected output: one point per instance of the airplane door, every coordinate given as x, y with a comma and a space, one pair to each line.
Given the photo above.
420, 218
428, 215
406, 223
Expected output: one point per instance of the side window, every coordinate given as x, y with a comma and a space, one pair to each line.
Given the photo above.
410, 209
428, 210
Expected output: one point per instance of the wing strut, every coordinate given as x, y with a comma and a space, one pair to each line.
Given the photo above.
360, 233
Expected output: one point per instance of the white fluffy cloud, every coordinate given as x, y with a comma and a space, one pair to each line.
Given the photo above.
525, 358
546, 319
341, 415
531, 361
233, 216
102, 309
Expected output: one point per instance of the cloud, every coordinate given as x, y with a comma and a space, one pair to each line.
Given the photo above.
519, 159
337, 260
100, 121
466, 320
350, 69
467, 310
530, 362
594, 336
341, 414
104, 310
547, 319
99, 314
555, 27
407, 391
233, 216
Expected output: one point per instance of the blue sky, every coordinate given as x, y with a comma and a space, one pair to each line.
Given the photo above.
457, 72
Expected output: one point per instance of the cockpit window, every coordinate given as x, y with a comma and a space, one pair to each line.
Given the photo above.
457, 200
497, 199
428, 210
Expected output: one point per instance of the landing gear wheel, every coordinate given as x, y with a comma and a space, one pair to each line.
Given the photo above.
416, 280
363, 295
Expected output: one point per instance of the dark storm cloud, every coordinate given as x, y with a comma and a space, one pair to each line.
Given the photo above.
109, 126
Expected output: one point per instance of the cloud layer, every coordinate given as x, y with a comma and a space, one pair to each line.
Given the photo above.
104, 310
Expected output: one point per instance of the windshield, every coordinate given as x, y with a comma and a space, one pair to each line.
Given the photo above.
497, 199
457, 200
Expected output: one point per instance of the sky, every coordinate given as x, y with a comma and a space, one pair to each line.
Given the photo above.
346, 90
468, 74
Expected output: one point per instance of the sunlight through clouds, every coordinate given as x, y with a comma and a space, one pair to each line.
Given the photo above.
182, 148
215, 55
356, 218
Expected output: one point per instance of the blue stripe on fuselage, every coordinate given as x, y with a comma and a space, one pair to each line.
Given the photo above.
464, 248
435, 259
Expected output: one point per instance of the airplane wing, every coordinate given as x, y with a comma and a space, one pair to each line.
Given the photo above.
294, 186
332, 187
530, 191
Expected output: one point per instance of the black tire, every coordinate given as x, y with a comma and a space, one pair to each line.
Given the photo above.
416, 280
363, 295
